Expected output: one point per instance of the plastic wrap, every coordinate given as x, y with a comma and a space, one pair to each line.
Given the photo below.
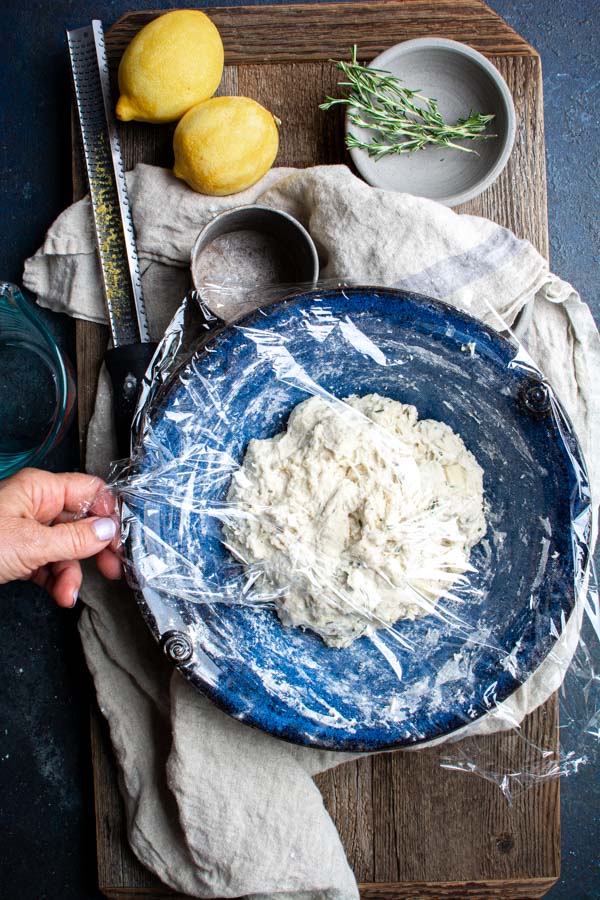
505, 632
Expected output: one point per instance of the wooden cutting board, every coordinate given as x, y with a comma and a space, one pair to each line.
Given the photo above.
411, 829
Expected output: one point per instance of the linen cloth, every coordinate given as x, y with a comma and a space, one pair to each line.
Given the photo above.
214, 808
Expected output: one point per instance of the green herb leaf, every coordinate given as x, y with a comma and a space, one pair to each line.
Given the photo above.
379, 102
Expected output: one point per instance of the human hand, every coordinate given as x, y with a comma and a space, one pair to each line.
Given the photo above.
40, 539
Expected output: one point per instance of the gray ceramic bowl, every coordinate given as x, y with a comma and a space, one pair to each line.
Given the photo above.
461, 80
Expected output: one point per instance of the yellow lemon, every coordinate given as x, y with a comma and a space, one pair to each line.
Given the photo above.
173, 63
225, 145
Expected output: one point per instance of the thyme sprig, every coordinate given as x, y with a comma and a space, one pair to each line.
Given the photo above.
403, 120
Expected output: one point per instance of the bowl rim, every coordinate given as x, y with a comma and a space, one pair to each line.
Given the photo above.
508, 140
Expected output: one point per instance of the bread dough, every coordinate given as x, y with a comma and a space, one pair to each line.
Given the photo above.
357, 515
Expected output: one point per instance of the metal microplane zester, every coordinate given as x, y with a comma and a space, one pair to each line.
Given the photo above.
132, 351
108, 189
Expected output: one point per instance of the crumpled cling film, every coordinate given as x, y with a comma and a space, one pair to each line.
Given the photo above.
183, 474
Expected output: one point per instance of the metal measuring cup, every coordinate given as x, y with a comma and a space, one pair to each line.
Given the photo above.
250, 256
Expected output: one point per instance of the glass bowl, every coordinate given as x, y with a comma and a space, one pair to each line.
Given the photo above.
37, 387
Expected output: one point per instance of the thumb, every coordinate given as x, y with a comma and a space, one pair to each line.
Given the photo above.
75, 540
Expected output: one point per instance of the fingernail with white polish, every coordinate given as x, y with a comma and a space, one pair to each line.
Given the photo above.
105, 529
75, 596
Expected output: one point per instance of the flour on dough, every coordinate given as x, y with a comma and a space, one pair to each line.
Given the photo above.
357, 515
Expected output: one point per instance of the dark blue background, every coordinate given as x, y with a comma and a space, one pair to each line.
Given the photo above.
46, 804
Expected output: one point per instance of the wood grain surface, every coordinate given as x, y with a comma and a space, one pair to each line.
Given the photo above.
411, 828
270, 33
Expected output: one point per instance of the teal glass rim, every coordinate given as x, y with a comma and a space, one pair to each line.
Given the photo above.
20, 326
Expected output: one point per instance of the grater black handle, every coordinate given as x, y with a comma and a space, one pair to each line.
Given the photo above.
126, 366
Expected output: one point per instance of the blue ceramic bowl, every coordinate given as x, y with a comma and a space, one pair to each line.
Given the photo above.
374, 694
